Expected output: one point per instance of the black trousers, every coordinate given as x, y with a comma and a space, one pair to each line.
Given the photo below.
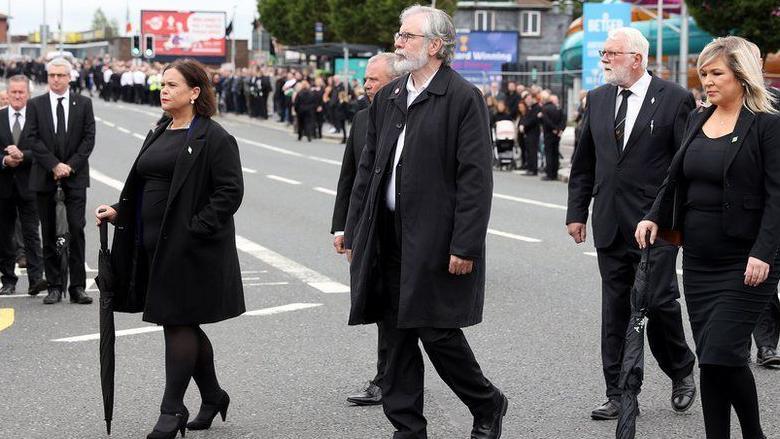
618, 264
767, 330
447, 348
75, 205
532, 152
262, 106
551, 151
24, 208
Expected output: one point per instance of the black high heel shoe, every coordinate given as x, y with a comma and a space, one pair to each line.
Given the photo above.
208, 412
169, 424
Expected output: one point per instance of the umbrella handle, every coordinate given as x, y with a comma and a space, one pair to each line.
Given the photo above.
104, 236
646, 251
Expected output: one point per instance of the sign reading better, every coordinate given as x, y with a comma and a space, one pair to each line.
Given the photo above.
598, 20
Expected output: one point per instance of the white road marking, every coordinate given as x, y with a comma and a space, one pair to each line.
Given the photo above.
512, 236
123, 129
97, 119
263, 284
14, 296
289, 152
324, 160
306, 275
325, 190
249, 170
529, 201
105, 179
139, 136
146, 329
282, 179
107, 123
281, 309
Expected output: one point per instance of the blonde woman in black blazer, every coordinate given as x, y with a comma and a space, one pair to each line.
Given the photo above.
723, 195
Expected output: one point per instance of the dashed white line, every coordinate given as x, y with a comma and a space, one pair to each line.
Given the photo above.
283, 180
529, 201
110, 124
105, 179
266, 284
325, 190
138, 136
306, 275
249, 170
281, 309
124, 130
512, 236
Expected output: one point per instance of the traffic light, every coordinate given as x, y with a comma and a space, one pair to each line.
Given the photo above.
149, 47
136, 49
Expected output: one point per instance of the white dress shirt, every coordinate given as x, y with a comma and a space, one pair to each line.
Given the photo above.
12, 118
638, 93
126, 78
139, 77
107, 75
65, 105
399, 147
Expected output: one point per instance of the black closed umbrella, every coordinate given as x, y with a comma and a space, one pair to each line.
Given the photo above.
105, 282
632, 371
62, 247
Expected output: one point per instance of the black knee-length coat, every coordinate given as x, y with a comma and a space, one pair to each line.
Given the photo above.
194, 276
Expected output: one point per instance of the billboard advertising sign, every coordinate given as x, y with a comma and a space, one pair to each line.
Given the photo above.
356, 69
186, 33
479, 55
598, 20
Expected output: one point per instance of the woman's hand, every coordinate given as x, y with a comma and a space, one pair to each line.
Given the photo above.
641, 233
756, 272
105, 213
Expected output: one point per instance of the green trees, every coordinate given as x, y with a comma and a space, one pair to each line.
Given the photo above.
352, 21
756, 20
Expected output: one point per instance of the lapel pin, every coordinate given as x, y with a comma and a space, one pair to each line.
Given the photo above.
652, 100
652, 123
397, 90
189, 150
734, 139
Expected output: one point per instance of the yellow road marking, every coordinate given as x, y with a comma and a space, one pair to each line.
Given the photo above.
6, 317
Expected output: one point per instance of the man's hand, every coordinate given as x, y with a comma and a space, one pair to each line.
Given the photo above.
61, 171
338, 244
642, 229
460, 266
578, 231
14, 152
11, 162
756, 272
349, 255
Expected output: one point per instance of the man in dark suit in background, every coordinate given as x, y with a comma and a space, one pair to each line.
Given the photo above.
632, 128
62, 133
379, 72
15, 195
553, 123
531, 127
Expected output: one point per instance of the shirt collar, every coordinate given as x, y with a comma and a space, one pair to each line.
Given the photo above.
11, 111
410, 87
640, 87
55, 96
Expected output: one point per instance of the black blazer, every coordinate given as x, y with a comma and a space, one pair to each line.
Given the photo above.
80, 142
751, 183
194, 275
355, 144
623, 184
20, 175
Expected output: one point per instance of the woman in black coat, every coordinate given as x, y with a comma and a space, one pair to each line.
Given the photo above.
723, 195
174, 244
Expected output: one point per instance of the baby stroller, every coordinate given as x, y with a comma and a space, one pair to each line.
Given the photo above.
505, 150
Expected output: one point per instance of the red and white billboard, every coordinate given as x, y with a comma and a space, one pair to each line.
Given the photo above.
185, 33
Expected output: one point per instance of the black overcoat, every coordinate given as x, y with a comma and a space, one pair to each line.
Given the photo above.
194, 276
443, 189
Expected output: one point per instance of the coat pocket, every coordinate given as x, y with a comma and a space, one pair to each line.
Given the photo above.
753, 202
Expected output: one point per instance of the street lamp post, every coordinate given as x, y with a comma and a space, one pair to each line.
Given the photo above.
659, 41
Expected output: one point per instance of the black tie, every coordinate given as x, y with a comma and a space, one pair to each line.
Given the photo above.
61, 137
620, 119
16, 130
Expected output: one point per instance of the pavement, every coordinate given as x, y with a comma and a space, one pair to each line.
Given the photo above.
289, 363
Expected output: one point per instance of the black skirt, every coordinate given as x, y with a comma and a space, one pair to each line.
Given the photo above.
722, 309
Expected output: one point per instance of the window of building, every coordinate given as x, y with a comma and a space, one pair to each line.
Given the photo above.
484, 20
531, 23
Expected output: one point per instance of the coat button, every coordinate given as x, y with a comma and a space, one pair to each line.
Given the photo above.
399, 125
726, 205
377, 170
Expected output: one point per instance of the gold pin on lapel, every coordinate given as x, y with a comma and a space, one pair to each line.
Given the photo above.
734, 139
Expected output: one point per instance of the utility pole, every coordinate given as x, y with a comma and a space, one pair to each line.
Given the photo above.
683, 75
62, 33
44, 33
659, 41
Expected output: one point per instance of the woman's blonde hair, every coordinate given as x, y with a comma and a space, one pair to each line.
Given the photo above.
739, 54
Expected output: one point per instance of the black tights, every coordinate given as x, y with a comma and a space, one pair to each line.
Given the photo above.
188, 354
723, 387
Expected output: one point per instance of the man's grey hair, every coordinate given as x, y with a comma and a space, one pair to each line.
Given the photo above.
59, 62
389, 59
635, 40
437, 25
18, 78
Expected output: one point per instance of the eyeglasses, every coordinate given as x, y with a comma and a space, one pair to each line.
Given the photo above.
58, 75
610, 54
403, 37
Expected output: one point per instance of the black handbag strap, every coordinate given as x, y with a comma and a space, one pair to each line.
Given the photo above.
104, 236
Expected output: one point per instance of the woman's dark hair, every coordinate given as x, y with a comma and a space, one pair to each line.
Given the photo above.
195, 75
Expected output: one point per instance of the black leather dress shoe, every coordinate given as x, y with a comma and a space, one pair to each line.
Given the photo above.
683, 394
77, 295
371, 395
37, 286
54, 296
21, 261
767, 357
7, 290
607, 411
490, 428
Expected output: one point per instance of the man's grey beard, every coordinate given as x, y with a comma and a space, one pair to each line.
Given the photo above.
411, 62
